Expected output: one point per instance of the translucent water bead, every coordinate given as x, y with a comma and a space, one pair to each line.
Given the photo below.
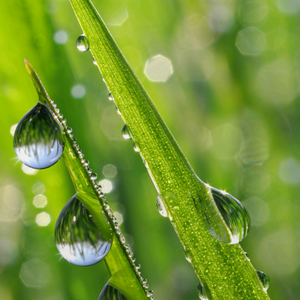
39, 139
161, 207
264, 279
82, 43
77, 238
110, 293
234, 214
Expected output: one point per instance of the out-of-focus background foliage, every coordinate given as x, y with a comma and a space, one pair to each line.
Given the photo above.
225, 77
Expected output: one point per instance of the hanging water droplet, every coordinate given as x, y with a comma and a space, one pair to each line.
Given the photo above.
110, 293
82, 43
161, 207
202, 292
80, 243
234, 214
38, 138
111, 97
135, 147
94, 176
126, 133
95, 63
264, 279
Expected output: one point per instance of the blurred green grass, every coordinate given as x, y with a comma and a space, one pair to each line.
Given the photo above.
232, 103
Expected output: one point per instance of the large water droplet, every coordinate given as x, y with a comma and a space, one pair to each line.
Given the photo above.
77, 238
264, 279
202, 292
126, 133
82, 43
38, 139
110, 293
234, 214
161, 207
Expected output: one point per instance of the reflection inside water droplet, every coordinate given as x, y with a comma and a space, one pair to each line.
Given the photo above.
110, 293
264, 279
234, 214
82, 43
39, 140
202, 292
111, 97
126, 134
77, 238
161, 207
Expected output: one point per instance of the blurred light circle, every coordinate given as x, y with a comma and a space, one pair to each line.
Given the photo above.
106, 186
34, 273
251, 41
289, 171
78, 91
253, 11
61, 37
158, 68
109, 171
43, 219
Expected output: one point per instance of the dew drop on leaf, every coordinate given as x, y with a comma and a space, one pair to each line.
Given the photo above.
110, 293
94, 176
126, 132
82, 43
234, 214
161, 207
201, 292
77, 238
111, 97
264, 279
38, 139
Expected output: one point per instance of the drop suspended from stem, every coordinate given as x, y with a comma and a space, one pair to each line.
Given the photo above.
82, 43
161, 207
126, 133
110, 293
77, 238
202, 292
234, 214
39, 139
264, 279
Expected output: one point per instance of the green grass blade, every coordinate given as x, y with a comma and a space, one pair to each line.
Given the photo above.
222, 268
124, 274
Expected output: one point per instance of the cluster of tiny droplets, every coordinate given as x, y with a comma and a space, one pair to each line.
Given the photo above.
98, 189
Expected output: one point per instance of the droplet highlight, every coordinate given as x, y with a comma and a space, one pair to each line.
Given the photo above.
126, 133
39, 139
82, 43
161, 207
111, 97
77, 238
110, 293
264, 279
234, 214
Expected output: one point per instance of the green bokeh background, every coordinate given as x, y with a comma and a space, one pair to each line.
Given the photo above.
232, 103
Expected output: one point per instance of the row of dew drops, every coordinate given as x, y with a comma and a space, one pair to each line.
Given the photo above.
39, 143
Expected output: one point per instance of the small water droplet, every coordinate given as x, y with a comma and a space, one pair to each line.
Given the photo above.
94, 176
111, 97
80, 243
38, 138
264, 279
161, 207
95, 63
82, 43
234, 214
110, 293
69, 129
135, 147
126, 133
118, 111
202, 292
